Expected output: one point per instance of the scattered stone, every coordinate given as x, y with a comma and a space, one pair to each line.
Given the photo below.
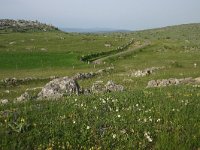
169, 82
57, 88
145, 72
112, 87
98, 87
3, 101
24, 97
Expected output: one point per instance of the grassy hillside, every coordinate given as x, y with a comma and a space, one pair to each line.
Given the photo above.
54, 50
138, 118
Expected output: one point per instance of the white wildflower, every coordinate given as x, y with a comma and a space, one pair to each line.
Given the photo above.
117, 109
158, 120
114, 136
148, 137
118, 116
88, 127
132, 131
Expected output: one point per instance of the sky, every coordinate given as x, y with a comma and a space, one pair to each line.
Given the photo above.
115, 14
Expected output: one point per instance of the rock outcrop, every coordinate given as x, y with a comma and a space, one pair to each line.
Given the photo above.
24, 25
57, 88
169, 82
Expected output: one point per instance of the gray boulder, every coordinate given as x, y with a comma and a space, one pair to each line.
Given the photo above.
59, 87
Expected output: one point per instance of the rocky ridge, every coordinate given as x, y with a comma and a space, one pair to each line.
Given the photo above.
24, 25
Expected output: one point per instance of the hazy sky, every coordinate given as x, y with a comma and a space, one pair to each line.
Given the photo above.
118, 14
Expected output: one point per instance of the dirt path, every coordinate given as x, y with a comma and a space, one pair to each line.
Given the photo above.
131, 49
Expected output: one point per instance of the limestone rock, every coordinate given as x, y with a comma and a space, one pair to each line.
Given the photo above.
57, 88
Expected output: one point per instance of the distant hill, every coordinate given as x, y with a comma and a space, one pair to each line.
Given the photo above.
24, 25
92, 30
